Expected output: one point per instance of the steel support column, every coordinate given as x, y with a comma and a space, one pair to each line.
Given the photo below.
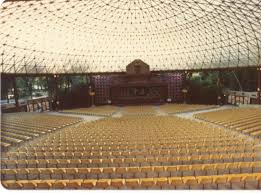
16, 95
56, 90
185, 86
92, 91
258, 85
219, 97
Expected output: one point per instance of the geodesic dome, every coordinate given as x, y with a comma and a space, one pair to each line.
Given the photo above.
59, 36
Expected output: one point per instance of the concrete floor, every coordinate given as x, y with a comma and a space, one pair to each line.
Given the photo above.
86, 118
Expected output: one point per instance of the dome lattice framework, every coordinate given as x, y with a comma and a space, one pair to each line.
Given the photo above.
60, 36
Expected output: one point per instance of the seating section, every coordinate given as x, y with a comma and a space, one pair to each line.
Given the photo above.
182, 108
135, 152
106, 110
139, 110
17, 128
228, 181
245, 120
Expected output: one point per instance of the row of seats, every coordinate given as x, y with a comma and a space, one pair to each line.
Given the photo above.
101, 139
58, 145
17, 128
139, 143
123, 150
131, 172
182, 108
75, 153
245, 120
138, 110
123, 162
230, 181
106, 110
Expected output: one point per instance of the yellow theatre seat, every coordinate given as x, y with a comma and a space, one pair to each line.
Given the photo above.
47, 184
22, 173
147, 182
132, 183
109, 170
12, 184
176, 181
27, 184
96, 170
161, 182
89, 184
59, 184
204, 180
117, 183
190, 180
133, 169
103, 183
74, 184
120, 170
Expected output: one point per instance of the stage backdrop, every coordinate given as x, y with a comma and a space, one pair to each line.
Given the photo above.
103, 83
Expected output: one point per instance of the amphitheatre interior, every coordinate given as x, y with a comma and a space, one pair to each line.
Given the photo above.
130, 95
